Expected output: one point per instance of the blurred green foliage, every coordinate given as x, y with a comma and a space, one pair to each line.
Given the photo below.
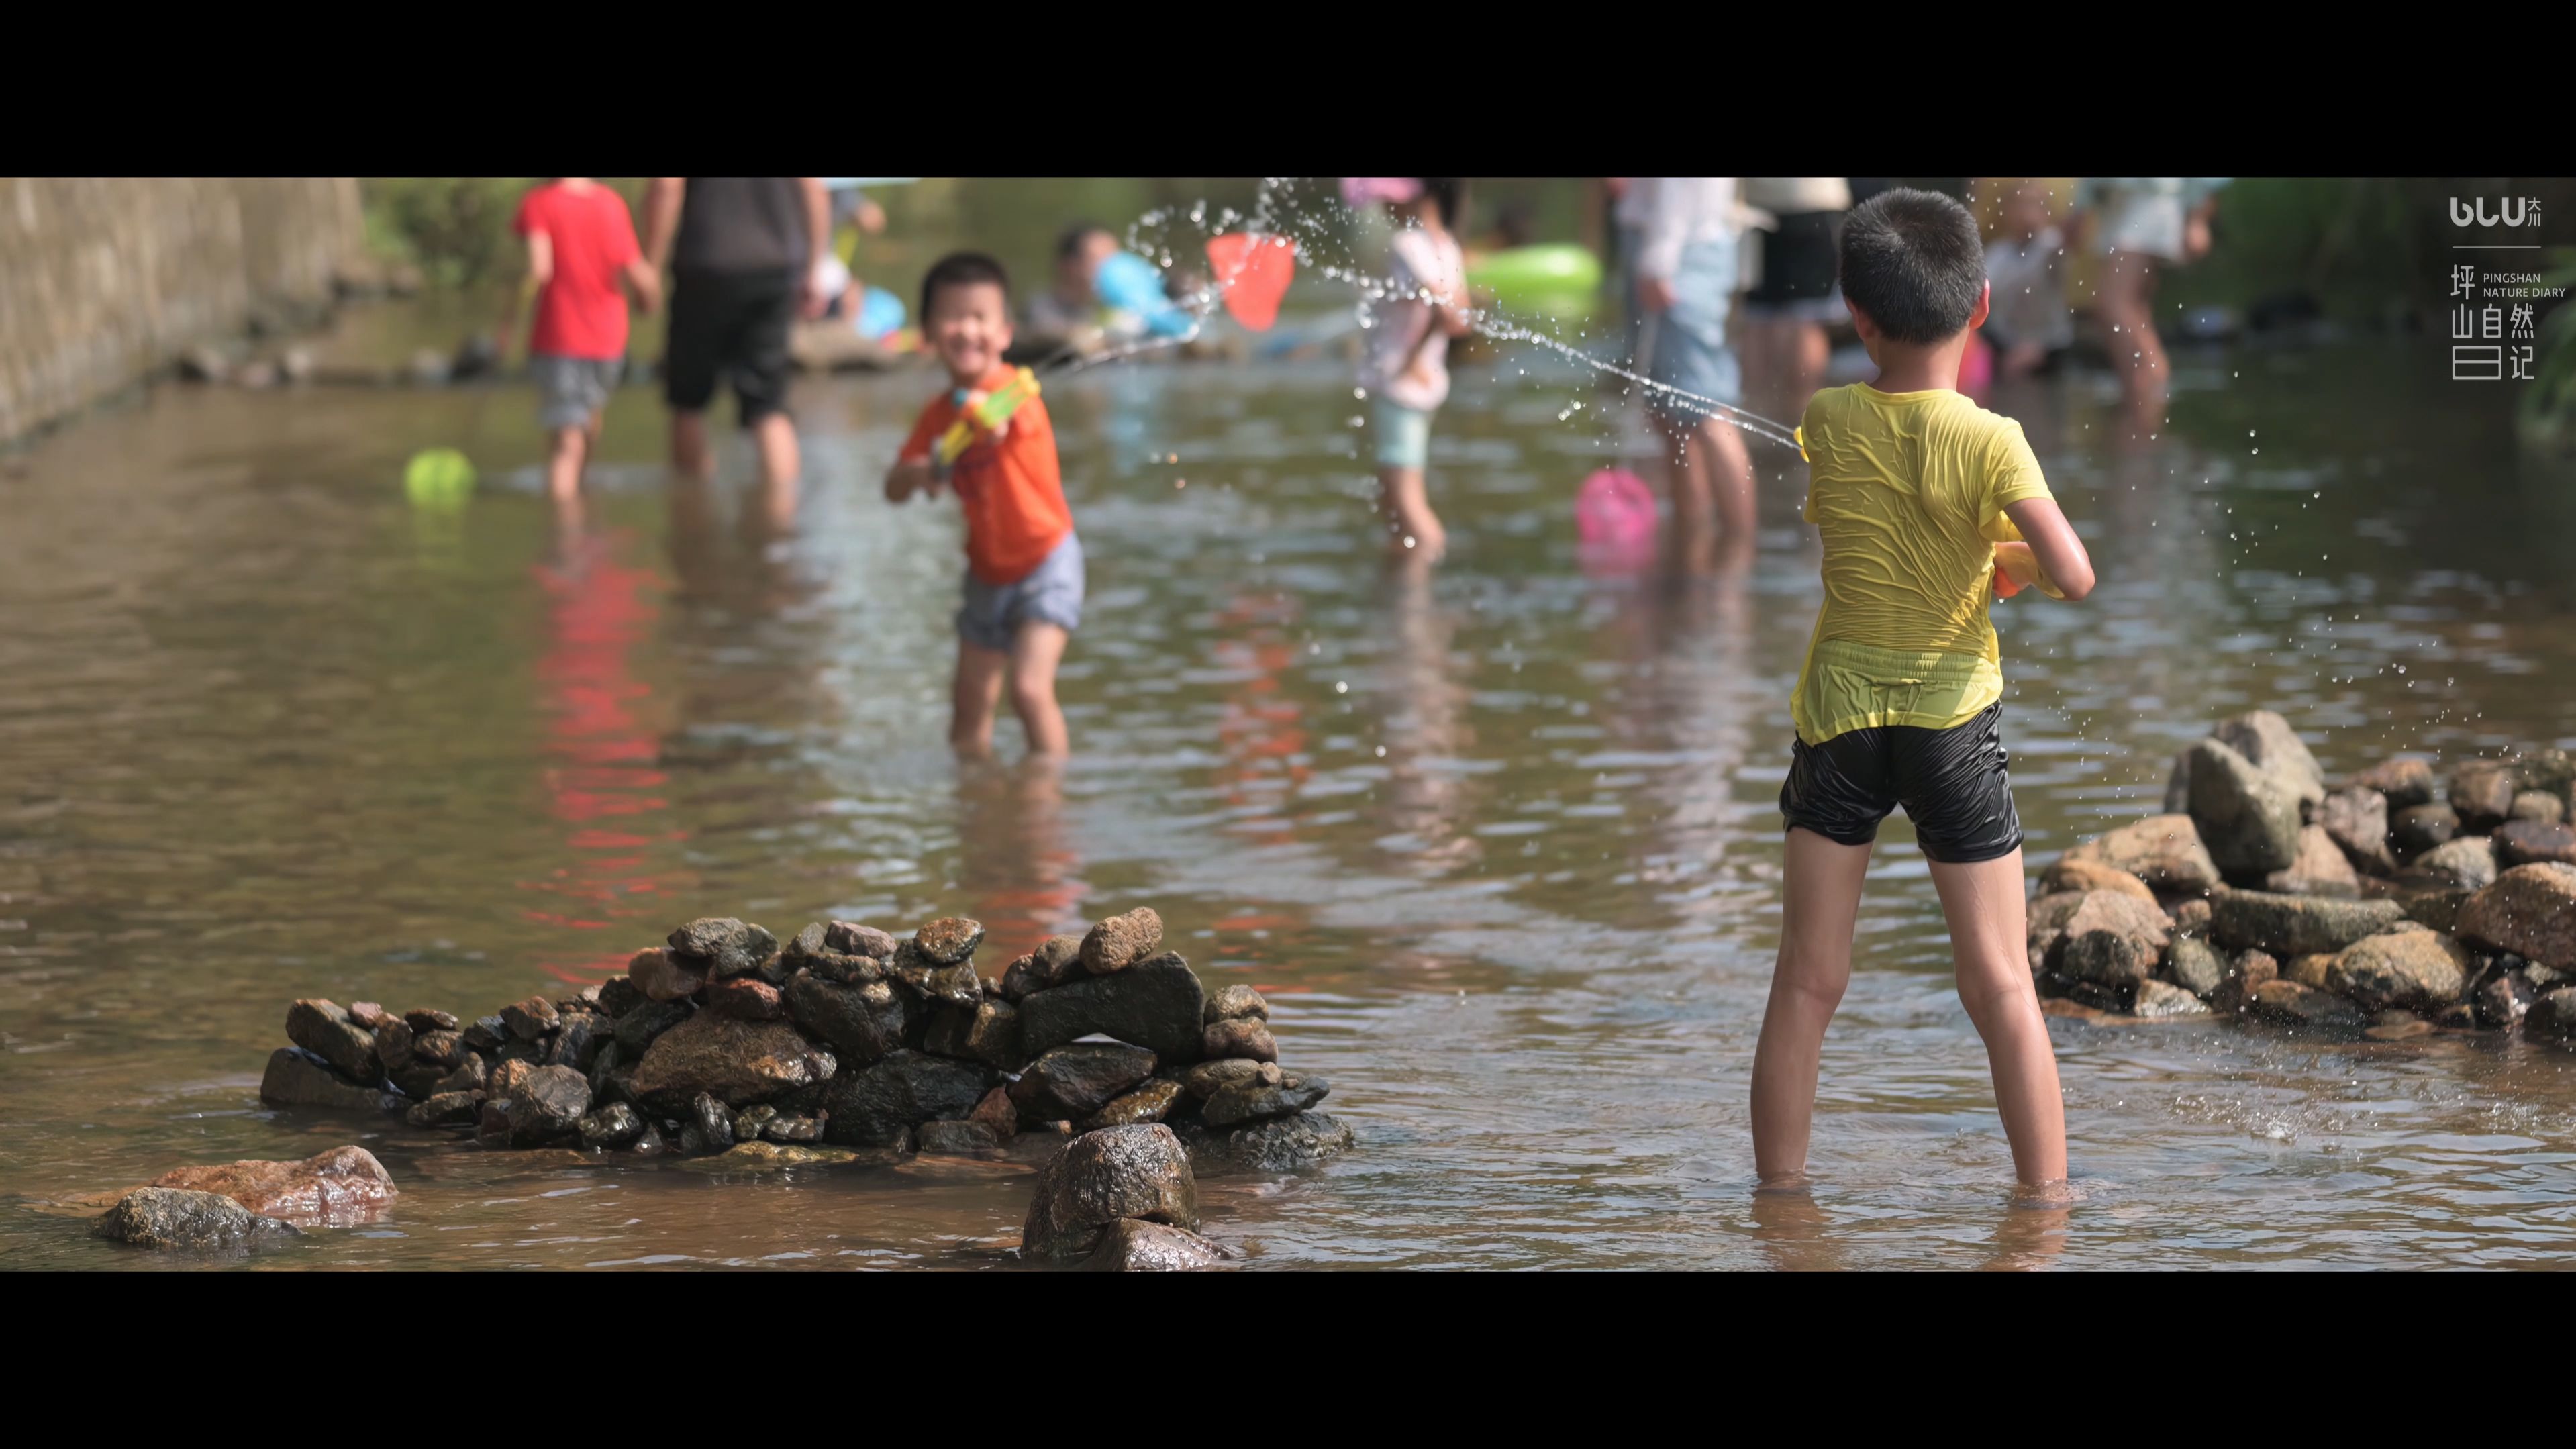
456, 229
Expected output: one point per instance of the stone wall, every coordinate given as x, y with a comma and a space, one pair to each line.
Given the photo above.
104, 280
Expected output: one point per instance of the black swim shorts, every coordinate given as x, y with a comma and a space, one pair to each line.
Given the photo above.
730, 325
1952, 783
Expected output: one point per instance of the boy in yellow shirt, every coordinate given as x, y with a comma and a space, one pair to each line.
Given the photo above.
1923, 500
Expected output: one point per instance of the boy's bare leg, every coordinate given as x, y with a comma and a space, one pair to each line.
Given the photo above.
779, 466
1694, 526
689, 451
2128, 295
978, 689
1407, 503
564, 463
1984, 906
1820, 905
1729, 471
1035, 651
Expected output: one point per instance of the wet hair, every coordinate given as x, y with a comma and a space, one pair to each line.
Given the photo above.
1450, 192
1912, 260
1070, 242
963, 269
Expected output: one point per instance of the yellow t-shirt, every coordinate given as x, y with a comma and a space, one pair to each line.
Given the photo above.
1909, 491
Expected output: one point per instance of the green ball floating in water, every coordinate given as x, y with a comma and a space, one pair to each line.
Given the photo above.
439, 478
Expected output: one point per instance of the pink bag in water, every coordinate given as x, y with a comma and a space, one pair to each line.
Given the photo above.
1977, 367
1614, 514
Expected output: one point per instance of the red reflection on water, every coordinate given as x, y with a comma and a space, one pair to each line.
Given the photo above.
607, 755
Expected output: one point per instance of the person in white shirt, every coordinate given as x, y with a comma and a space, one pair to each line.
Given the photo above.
2030, 325
2141, 225
1794, 299
1679, 236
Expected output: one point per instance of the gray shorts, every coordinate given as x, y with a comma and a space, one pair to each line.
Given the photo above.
1051, 593
572, 390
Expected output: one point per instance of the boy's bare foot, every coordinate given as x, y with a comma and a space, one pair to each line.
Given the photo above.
2043, 1196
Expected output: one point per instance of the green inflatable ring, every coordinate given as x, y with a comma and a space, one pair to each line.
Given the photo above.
1534, 272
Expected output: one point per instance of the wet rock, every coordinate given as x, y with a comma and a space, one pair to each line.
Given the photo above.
2424, 970
343, 1185
2551, 772
805, 945
665, 977
548, 1106
2266, 739
1121, 941
738, 1061
1118, 1172
2288, 926
369, 1016
2503, 1001
950, 940
2419, 828
2458, 1016
878, 1106
2544, 979
2249, 969
2195, 965
2165, 851
1157, 1004
2397, 1026
531, 1018
2107, 999
1243, 1039
1205, 1079
2248, 817
863, 1023
169, 1217
2539, 806
956, 1139
749, 1122
708, 1126
638, 1029
298, 1078
706, 936
2528, 842
393, 1046
792, 1127
2092, 875
578, 1043
852, 939
429, 1018
1237, 1003
769, 1157
1133, 1246
505, 1078
751, 952
1281, 1144
2468, 863
989, 1034
744, 998
325, 1030
1254, 1101
2438, 908
2190, 917
2356, 820
1150, 1102
619, 995
2481, 794
1021, 978
446, 1109
2290, 1004
1075, 1081
2107, 938
650, 1142
443, 1049
2319, 870
997, 1111
2552, 1015
2309, 970
2403, 783
2530, 911
615, 1125
492, 1123
2158, 1000
469, 1076
486, 1034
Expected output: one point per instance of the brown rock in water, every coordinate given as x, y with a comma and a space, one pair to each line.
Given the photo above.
2467, 863
2530, 911
369, 1015
2503, 1000
1249, 1039
1148, 1103
2291, 1004
1073, 1082
1156, 1003
298, 1078
2309, 970
2190, 916
1121, 941
2356, 820
2423, 970
2291, 926
745, 998
852, 939
531, 1018
504, 1079
424, 1019
863, 1022
2437, 907
468, 1077
956, 1139
2165, 851
343, 1185
1118, 1172
167, 1217
2267, 740
2419, 828
2110, 939
664, 977
2248, 817
2157, 1001
1284, 1144
1237, 1003
393, 1045
323, 1029
548, 1106
990, 1033
444, 1049
446, 1109
997, 1111
2401, 782
950, 940
2249, 969
2092, 875
2320, 869
2533, 805
739, 1062
2481, 794
2529, 842
2553, 1015
1133, 1246
2195, 965
879, 1107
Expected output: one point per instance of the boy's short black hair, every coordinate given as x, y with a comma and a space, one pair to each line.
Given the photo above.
963, 269
1913, 262
1068, 245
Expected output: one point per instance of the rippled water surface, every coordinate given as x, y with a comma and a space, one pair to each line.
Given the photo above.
1500, 845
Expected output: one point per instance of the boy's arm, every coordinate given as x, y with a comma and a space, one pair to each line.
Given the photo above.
662, 219
2063, 570
818, 241
909, 476
646, 284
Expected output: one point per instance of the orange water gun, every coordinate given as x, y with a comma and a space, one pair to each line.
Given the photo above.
991, 413
2018, 570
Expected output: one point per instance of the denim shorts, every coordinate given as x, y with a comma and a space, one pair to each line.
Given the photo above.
1051, 593
1403, 435
1684, 346
572, 390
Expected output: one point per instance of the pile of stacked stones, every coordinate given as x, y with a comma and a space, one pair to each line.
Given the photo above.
840, 1042
2395, 905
